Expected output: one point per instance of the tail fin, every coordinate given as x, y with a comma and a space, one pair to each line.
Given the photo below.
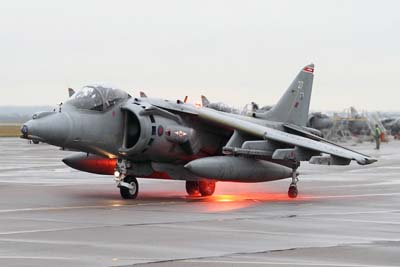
294, 105
71, 92
353, 112
204, 100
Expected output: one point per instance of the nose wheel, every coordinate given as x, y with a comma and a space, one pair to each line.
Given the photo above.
293, 191
129, 187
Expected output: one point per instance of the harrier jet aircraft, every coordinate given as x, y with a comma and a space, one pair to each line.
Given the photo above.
115, 133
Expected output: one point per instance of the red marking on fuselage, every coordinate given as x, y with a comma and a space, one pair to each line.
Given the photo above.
160, 130
158, 175
308, 69
97, 165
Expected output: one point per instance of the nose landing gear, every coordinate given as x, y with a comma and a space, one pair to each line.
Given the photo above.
129, 187
128, 184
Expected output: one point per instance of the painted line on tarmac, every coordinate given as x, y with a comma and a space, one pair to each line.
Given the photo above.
263, 263
87, 207
36, 258
176, 202
353, 195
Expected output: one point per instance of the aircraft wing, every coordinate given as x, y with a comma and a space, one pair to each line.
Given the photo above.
339, 153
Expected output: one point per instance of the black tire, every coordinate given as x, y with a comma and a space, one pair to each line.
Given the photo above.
192, 188
129, 193
293, 192
206, 187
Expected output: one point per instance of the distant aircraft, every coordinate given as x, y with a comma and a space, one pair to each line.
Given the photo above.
250, 110
358, 124
392, 125
71, 92
319, 121
218, 106
157, 138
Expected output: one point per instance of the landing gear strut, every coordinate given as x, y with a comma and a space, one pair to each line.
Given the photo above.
129, 187
202, 187
293, 192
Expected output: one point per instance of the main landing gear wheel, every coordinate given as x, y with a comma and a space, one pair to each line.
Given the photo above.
192, 188
293, 192
206, 188
132, 192
203, 188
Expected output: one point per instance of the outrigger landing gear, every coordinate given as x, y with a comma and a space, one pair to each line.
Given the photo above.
293, 192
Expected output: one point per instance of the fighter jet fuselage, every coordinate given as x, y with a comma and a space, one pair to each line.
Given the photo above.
157, 138
131, 129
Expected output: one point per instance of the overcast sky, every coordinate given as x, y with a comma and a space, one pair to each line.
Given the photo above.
231, 51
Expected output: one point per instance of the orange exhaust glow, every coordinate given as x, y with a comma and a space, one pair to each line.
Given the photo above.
228, 202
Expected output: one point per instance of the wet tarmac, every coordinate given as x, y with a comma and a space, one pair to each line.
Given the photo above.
51, 215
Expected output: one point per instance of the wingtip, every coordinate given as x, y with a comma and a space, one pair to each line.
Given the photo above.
367, 161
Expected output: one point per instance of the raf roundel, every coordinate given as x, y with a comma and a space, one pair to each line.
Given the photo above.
160, 130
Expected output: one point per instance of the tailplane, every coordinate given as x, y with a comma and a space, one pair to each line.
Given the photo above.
294, 105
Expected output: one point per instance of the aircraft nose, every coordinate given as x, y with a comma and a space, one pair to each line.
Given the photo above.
53, 129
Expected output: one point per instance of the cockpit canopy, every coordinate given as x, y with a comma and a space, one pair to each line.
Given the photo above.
96, 97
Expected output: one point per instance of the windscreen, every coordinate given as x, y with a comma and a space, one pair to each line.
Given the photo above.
96, 98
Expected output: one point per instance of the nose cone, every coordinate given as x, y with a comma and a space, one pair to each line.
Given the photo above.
52, 129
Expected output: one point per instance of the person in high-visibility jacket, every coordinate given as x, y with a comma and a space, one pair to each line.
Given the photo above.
377, 136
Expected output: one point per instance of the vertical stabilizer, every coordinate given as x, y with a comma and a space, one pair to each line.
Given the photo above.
204, 100
71, 92
294, 105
